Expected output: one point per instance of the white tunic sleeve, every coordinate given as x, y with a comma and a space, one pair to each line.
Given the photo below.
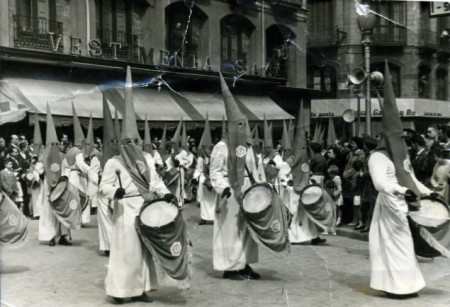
218, 171
109, 184
380, 166
198, 168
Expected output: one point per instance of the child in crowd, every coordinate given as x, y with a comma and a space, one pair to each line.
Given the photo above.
334, 189
357, 187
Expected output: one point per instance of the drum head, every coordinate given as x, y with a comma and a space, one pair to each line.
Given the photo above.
257, 198
58, 190
311, 195
158, 213
431, 213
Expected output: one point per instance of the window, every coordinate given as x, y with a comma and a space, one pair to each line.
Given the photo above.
387, 32
186, 34
277, 50
395, 74
235, 34
321, 23
322, 78
424, 81
441, 84
114, 25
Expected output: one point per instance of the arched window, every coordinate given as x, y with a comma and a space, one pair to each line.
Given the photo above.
441, 84
322, 78
395, 74
424, 81
235, 34
114, 29
186, 34
277, 50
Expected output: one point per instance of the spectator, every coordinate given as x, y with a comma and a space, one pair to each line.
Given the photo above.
8, 180
333, 185
357, 187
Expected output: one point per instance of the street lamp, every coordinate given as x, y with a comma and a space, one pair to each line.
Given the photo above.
366, 23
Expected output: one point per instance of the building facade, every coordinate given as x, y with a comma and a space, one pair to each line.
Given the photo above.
61, 51
415, 44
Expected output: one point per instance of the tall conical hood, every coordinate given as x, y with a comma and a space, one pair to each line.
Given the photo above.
286, 145
176, 137
129, 124
237, 138
393, 134
322, 132
248, 132
268, 141
256, 140
224, 136
300, 164
110, 148
206, 139
38, 146
117, 129
291, 130
88, 147
51, 158
78, 135
331, 135
184, 140
162, 144
316, 136
148, 146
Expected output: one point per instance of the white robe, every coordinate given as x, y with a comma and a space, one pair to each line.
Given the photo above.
307, 230
205, 197
233, 246
128, 270
92, 184
394, 267
37, 192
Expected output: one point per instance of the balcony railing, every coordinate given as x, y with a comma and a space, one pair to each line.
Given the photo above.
322, 38
389, 35
33, 33
129, 45
234, 61
433, 40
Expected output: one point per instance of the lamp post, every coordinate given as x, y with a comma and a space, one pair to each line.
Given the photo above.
366, 23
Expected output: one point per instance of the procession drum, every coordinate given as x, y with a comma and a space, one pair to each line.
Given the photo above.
65, 201
162, 230
170, 176
432, 214
266, 216
13, 224
319, 205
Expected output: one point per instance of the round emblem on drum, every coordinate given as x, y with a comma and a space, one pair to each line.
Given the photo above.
276, 226
328, 207
241, 151
407, 165
73, 204
175, 249
140, 166
12, 220
305, 167
54, 167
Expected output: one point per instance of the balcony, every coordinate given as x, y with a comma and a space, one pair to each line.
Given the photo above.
234, 61
33, 33
128, 49
433, 40
389, 35
322, 38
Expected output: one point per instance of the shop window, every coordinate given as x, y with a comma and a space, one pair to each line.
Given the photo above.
322, 78
186, 37
441, 84
114, 29
278, 39
424, 81
235, 34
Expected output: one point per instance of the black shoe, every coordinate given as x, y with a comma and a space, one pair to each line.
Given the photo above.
142, 298
359, 227
248, 273
118, 300
233, 275
317, 241
209, 222
401, 296
52, 242
202, 222
107, 253
63, 241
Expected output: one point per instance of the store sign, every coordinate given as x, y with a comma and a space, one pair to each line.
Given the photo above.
439, 8
377, 112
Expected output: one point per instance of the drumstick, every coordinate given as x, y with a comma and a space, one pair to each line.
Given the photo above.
118, 177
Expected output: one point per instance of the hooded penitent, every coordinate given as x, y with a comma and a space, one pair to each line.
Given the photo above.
300, 165
110, 146
52, 158
268, 141
78, 135
286, 142
331, 135
237, 138
316, 135
162, 144
248, 132
291, 131
184, 140
148, 146
175, 142
205, 144
88, 148
438, 238
38, 146
224, 136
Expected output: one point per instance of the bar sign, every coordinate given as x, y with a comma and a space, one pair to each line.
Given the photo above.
439, 8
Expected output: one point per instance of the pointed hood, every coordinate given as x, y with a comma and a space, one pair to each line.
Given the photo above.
248, 132
176, 137
51, 158
286, 145
129, 124
184, 140
78, 137
38, 146
88, 148
268, 141
393, 136
331, 135
237, 138
206, 139
316, 136
110, 148
322, 132
162, 144
300, 164
291, 130
224, 136
117, 129
256, 140
148, 146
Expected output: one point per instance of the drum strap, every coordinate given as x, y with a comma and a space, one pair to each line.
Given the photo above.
428, 237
